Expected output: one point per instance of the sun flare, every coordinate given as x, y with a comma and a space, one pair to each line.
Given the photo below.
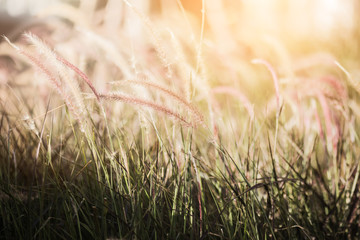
179, 119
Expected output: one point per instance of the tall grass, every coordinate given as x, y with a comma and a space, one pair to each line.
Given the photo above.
193, 152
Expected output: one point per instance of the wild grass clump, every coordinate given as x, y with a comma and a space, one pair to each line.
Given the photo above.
168, 130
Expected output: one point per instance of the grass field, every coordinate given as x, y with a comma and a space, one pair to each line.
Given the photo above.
188, 122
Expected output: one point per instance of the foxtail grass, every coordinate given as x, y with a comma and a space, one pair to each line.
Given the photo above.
89, 163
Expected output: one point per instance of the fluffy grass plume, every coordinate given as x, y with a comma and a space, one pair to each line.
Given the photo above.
225, 149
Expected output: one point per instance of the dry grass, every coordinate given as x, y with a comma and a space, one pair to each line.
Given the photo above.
231, 152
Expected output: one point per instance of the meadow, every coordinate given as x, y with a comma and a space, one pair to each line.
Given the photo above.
178, 121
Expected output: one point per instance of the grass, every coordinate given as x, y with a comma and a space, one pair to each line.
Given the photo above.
105, 136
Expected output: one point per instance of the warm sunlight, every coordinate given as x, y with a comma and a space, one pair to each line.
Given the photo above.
179, 119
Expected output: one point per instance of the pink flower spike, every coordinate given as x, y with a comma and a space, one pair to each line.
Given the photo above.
35, 61
80, 73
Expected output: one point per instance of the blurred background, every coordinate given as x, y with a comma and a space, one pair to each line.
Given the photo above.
297, 17
298, 25
235, 32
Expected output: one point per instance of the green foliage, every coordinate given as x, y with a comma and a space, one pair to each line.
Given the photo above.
184, 150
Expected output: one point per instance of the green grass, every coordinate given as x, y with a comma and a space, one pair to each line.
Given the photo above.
181, 147
77, 190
